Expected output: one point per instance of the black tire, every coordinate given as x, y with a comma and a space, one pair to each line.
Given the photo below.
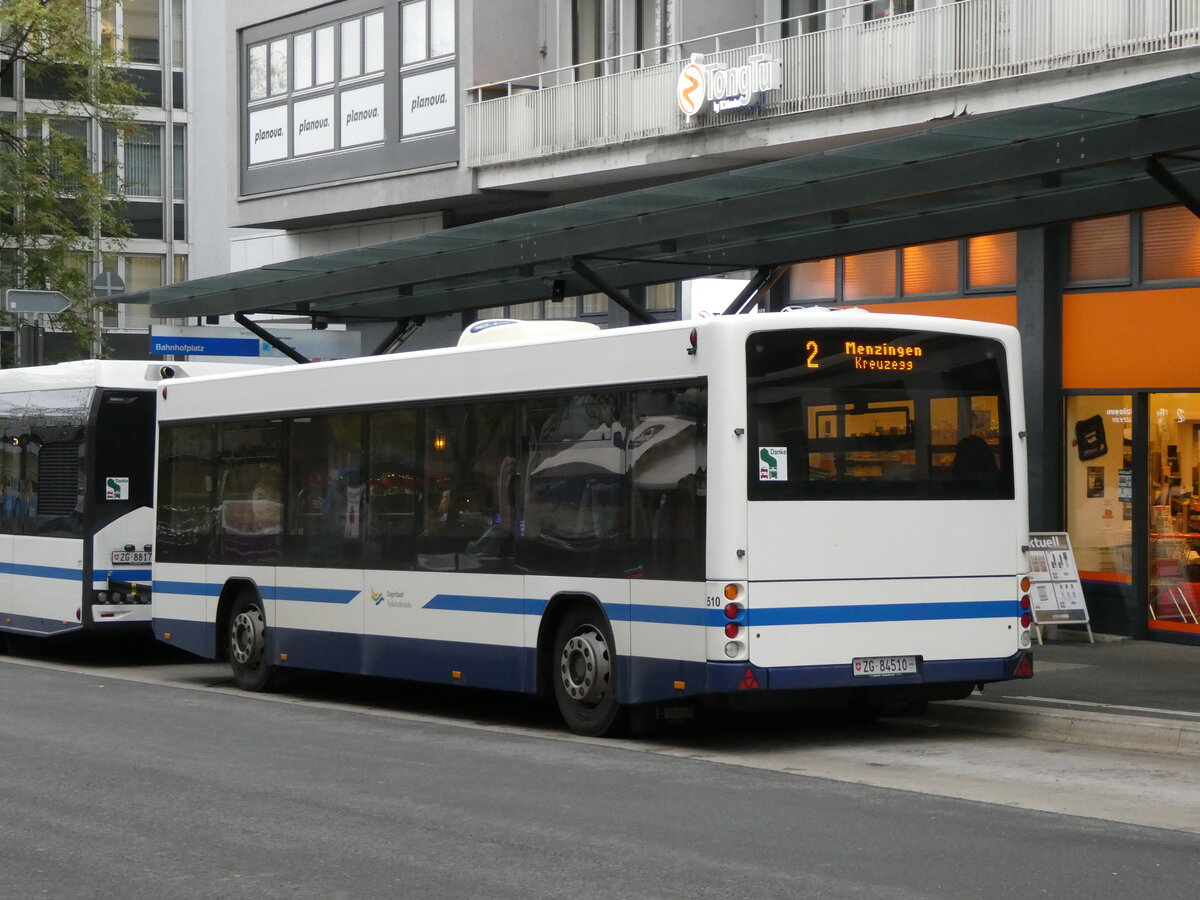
583, 670
248, 644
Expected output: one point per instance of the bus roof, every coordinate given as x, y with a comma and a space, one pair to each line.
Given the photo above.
107, 373
526, 364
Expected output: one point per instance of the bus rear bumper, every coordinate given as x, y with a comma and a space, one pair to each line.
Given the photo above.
934, 680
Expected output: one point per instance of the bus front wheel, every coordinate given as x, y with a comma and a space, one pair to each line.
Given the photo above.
584, 673
248, 644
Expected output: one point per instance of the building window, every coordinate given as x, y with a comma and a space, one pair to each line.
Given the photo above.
78, 149
587, 37
806, 16
373, 43
134, 161
1170, 244
178, 35
143, 162
992, 261
133, 26
653, 30
302, 61
661, 297
534, 309
816, 280
257, 72
426, 30
139, 28
1100, 252
324, 57
930, 268
870, 275
179, 161
352, 48
278, 67
881, 9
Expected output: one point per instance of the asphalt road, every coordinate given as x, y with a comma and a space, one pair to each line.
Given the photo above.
161, 780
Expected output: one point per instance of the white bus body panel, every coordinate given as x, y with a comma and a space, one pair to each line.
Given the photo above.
45, 578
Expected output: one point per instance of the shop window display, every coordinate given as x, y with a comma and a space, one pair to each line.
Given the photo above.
1099, 482
1174, 600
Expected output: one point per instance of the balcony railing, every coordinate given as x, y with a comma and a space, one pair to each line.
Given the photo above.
971, 42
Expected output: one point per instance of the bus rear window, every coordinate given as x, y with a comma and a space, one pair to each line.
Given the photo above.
872, 414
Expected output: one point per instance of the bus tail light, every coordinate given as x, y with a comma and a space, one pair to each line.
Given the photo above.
1024, 640
732, 630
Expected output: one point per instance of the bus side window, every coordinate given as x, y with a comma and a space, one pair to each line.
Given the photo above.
185, 500
468, 449
395, 488
667, 461
576, 486
250, 495
327, 502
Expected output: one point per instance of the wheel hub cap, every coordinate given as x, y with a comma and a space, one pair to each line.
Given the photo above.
585, 667
246, 642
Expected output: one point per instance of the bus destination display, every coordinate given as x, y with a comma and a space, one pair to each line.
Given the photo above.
867, 357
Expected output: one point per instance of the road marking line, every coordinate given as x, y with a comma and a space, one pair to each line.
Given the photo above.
1144, 709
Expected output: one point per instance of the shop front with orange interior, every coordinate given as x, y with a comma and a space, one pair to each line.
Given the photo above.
1131, 374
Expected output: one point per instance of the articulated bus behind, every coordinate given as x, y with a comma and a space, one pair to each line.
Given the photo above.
799, 508
77, 482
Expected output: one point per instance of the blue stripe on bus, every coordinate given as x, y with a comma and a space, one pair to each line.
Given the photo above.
295, 594
665, 615
885, 612
41, 571
310, 595
518, 606
512, 606
655, 615
187, 588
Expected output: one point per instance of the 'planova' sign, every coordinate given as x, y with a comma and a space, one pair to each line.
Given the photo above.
717, 87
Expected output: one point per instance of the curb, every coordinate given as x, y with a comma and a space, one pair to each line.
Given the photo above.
1067, 726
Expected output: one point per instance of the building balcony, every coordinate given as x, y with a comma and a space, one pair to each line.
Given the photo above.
1004, 48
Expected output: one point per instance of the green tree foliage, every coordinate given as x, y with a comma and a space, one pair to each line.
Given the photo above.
57, 205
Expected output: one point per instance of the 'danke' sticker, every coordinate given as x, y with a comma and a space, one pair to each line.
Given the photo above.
772, 464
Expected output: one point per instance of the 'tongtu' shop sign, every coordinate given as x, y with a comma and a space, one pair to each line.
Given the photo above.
717, 87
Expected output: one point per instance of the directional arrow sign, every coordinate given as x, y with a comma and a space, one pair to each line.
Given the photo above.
52, 302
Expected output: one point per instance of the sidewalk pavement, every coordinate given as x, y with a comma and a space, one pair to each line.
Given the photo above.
1133, 695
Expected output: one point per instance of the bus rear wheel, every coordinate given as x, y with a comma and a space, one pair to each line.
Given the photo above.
248, 644
584, 673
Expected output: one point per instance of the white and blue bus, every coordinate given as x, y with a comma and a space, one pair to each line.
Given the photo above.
77, 475
807, 507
